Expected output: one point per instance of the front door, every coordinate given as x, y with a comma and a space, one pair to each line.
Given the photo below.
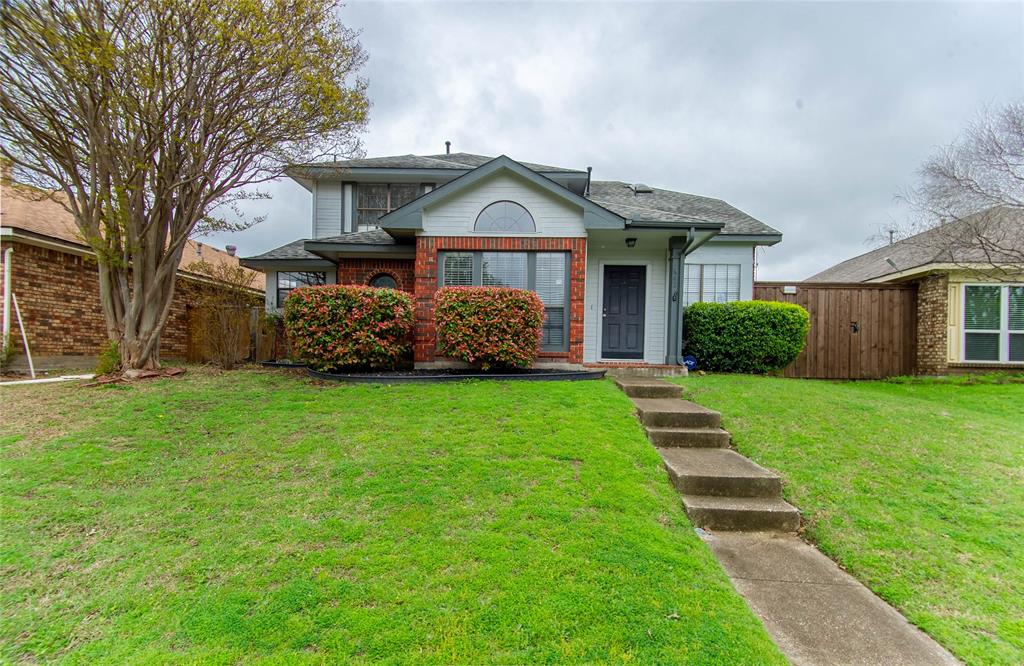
622, 328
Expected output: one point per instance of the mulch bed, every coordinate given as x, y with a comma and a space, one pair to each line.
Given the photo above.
120, 378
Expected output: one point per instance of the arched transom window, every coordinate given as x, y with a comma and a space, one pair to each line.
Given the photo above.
505, 217
384, 281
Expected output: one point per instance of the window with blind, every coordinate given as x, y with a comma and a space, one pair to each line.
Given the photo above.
551, 285
374, 200
993, 323
289, 280
504, 269
546, 273
714, 283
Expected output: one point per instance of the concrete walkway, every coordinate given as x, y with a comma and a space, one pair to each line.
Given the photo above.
815, 611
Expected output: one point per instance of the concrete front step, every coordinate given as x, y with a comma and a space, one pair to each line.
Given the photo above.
673, 413
751, 514
719, 472
688, 437
648, 387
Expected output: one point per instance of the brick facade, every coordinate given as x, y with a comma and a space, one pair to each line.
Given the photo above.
427, 249
932, 331
353, 270
58, 293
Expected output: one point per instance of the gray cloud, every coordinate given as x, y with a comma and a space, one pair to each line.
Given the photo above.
810, 117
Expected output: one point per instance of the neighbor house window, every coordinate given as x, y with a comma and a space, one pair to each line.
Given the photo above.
711, 283
546, 273
505, 217
993, 323
374, 200
289, 280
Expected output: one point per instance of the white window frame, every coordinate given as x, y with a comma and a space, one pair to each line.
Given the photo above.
1004, 322
701, 281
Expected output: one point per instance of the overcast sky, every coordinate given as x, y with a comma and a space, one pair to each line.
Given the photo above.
810, 117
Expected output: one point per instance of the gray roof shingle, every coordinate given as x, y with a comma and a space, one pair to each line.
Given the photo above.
668, 206
372, 237
459, 161
955, 242
295, 251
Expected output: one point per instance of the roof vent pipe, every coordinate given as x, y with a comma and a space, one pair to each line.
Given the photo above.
447, 147
586, 192
231, 249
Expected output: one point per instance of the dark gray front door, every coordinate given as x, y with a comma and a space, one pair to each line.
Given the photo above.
622, 328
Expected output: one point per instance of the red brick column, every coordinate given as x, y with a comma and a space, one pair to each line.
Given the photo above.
427, 275
932, 331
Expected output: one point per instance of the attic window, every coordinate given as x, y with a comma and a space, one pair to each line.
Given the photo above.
505, 217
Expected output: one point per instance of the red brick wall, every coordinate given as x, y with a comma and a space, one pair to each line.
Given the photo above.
58, 293
932, 331
362, 270
427, 248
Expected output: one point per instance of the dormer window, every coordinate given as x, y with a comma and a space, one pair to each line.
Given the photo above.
374, 200
505, 217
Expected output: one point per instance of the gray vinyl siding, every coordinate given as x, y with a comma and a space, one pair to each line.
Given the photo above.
455, 216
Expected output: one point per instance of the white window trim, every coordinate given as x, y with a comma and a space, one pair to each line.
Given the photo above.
1004, 322
700, 285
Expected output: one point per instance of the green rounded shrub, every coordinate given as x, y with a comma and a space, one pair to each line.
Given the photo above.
745, 336
489, 326
340, 326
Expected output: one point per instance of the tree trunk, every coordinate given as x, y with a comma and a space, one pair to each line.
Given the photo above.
136, 308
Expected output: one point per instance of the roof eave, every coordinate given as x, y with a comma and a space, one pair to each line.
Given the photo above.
681, 226
257, 264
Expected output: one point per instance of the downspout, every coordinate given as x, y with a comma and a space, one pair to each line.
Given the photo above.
680, 247
692, 245
7, 297
677, 246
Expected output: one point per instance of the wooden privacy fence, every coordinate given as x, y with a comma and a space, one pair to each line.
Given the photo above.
257, 341
858, 331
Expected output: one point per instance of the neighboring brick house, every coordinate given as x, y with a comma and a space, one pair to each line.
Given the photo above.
970, 290
56, 282
614, 264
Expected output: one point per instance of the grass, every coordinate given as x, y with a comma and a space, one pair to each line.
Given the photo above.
915, 486
258, 516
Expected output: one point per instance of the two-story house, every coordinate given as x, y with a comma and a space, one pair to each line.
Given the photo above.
615, 263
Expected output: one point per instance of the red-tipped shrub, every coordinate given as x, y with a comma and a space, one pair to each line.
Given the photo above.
340, 326
489, 326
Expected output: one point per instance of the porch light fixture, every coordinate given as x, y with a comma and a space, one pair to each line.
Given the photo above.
630, 242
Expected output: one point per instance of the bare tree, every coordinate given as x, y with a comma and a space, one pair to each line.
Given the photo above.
146, 116
970, 197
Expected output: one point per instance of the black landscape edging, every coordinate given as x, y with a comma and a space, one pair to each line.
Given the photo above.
406, 378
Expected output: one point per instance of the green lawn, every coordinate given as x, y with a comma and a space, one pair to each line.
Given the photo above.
257, 516
915, 486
